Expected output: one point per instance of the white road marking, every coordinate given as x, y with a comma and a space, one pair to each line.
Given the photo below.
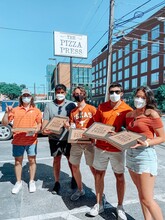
69, 215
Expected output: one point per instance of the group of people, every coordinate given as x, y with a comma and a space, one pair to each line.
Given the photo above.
141, 159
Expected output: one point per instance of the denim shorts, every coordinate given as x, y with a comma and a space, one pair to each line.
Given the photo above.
18, 150
142, 160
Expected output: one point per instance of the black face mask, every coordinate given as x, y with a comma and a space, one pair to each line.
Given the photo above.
79, 98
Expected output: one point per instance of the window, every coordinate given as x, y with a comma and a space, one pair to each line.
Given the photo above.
120, 64
104, 62
134, 70
155, 32
143, 81
144, 67
155, 48
144, 53
126, 85
155, 78
104, 72
127, 49
114, 57
100, 65
114, 77
97, 67
154, 63
134, 57
120, 53
97, 75
134, 83
144, 39
134, 44
113, 67
126, 73
126, 61
120, 75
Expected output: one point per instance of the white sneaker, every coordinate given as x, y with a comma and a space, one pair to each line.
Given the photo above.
75, 196
17, 187
121, 213
97, 209
32, 186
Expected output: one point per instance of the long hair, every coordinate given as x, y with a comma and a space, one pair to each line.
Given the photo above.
150, 99
31, 102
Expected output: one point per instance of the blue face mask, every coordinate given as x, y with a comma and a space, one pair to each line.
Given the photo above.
26, 99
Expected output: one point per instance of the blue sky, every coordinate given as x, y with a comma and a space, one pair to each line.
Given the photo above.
26, 32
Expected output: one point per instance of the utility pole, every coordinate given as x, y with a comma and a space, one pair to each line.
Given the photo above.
110, 34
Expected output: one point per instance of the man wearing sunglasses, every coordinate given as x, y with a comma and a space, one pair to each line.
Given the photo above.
113, 113
58, 143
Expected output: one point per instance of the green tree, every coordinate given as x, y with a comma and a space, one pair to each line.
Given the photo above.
160, 97
11, 90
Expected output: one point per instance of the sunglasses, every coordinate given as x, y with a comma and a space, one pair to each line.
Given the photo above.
117, 92
59, 110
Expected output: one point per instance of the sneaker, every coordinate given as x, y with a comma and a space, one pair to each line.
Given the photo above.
56, 188
73, 183
104, 200
32, 186
75, 196
97, 209
17, 187
121, 213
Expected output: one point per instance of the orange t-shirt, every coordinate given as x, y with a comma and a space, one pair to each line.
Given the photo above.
84, 118
25, 119
144, 125
111, 116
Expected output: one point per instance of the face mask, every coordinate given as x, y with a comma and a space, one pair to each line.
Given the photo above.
26, 99
139, 102
60, 97
79, 98
115, 97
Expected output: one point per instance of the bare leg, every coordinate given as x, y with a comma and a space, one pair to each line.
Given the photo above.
120, 187
99, 185
57, 167
18, 168
145, 186
32, 166
77, 176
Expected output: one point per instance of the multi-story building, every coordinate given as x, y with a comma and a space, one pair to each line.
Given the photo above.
81, 75
138, 58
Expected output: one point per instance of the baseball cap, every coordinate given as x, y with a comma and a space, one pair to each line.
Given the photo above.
25, 91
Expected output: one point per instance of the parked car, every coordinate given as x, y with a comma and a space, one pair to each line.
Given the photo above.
6, 131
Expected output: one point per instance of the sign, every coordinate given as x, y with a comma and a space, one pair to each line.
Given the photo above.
70, 45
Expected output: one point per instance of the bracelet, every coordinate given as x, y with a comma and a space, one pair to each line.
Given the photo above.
147, 144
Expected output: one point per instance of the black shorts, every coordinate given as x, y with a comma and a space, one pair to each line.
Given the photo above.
57, 148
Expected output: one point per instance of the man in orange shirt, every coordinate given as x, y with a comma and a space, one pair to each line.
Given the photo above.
81, 117
26, 115
112, 112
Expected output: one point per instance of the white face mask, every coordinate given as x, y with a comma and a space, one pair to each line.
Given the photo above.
139, 102
26, 99
60, 97
114, 97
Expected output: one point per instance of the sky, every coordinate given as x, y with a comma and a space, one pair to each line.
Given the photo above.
27, 26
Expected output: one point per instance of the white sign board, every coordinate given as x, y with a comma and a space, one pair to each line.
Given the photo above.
70, 45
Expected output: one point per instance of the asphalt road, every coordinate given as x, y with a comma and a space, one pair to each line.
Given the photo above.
43, 205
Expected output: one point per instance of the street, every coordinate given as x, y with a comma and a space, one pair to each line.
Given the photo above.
43, 205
